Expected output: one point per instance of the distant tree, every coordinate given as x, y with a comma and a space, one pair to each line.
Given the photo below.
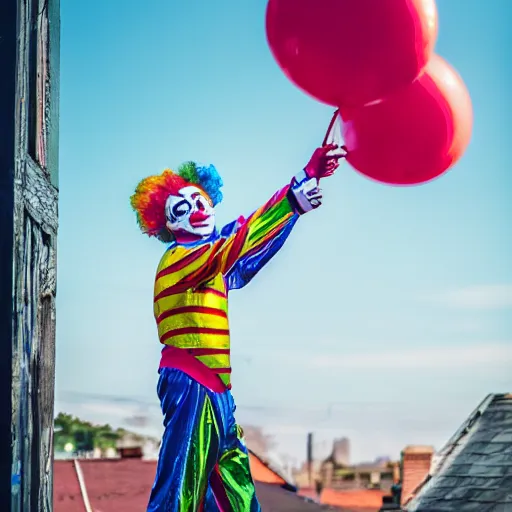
64, 423
83, 435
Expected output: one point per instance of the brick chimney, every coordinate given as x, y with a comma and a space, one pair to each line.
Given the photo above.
133, 452
130, 447
416, 461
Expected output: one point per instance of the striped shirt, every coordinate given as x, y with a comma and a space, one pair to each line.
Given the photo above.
192, 285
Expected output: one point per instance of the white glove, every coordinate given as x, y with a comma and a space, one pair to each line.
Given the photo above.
306, 192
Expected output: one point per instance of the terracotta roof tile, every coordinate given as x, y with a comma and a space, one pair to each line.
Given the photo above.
66, 490
359, 500
261, 472
124, 485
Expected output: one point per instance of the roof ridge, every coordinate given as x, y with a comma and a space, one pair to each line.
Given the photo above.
440, 458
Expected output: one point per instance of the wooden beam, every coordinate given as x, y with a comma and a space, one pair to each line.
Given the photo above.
8, 55
29, 38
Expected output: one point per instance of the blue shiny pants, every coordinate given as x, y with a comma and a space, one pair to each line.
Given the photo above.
203, 464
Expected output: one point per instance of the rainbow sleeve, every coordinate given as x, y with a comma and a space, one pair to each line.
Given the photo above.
243, 248
257, 239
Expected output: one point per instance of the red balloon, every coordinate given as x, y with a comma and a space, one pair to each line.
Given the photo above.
414, 135
351, 52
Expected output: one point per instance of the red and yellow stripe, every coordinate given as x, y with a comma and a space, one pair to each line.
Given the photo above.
190, 301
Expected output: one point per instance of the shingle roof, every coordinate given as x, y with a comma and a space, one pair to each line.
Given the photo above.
473, 472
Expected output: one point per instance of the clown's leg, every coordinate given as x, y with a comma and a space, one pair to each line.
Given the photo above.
190, 444
231, 480
210, 504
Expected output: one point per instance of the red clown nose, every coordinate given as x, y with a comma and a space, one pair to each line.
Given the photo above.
198, 218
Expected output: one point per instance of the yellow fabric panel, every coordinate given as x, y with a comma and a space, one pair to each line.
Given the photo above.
183, 320
190, 298
218, 361
199, 341
217, 283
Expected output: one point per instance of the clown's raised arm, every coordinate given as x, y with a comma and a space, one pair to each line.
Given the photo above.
246, 245
242, 247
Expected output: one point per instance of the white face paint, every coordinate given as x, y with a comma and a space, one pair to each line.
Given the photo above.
190, 211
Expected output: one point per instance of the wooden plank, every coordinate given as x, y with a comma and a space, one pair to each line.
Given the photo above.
34, 368
40, 197
53, 94
35, 226
8, 76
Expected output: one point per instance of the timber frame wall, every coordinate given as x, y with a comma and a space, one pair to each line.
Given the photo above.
29, 99
8, 50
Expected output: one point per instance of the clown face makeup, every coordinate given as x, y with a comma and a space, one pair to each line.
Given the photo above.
190, 212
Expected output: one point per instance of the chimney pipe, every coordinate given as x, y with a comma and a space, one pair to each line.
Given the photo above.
310, 457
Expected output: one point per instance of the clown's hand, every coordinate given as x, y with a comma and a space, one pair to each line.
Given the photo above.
306, 195
324, 161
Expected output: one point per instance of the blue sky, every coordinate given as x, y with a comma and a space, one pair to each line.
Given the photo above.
387, 315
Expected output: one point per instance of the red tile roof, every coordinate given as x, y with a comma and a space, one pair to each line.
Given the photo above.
359, 500
262, 472
124, 485
111, 485
66, 491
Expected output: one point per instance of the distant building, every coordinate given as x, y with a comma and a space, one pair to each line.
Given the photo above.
361, 476
341, 451
136, 446
336, 472
382, 461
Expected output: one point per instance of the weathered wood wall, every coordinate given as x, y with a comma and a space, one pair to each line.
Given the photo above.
34, 255
8, 52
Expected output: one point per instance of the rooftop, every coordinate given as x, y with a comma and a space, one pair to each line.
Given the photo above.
473, 472
115, 485
358, 500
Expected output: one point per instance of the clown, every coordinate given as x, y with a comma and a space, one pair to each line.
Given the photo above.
203, 463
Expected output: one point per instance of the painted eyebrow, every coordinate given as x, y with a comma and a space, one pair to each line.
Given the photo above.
180, 203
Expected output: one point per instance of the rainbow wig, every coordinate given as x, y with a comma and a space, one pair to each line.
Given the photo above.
151, 194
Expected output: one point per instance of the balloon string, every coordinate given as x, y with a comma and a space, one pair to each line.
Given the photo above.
330, 129
331, 126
